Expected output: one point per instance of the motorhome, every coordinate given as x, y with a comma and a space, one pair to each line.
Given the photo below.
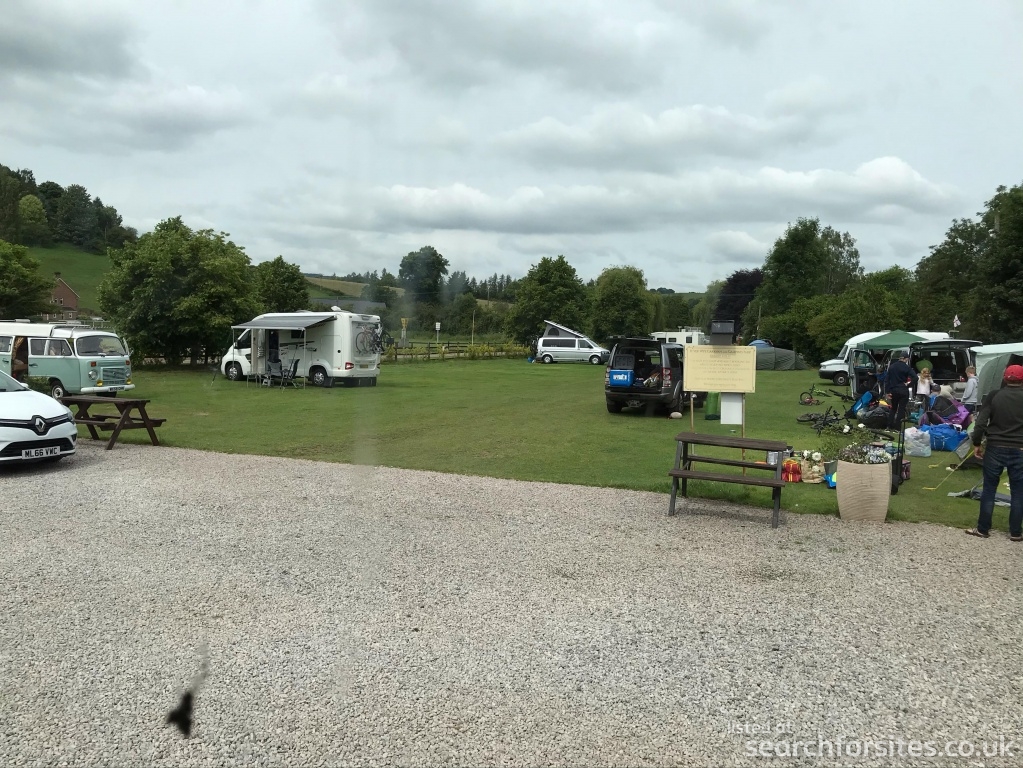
682, 336
317, 346
73, 358
837, 369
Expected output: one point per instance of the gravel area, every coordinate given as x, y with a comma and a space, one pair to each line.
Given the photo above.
376, 616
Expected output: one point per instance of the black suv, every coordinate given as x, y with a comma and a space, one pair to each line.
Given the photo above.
645, 372
948, 360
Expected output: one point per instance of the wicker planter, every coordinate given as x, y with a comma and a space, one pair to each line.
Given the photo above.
863, 491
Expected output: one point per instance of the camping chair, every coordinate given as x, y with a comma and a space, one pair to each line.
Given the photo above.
288, 377
273, 371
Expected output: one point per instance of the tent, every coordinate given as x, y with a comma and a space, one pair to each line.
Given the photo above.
992, 360
774, 359
890, 340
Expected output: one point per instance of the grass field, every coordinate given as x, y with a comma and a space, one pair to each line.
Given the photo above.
509, 419
332, 287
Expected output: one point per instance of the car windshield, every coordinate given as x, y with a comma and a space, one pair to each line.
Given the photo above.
7, 384
99, 346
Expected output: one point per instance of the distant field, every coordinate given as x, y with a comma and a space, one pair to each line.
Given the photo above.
332, 287
81, 270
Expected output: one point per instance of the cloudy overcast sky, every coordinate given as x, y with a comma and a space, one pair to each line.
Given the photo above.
679, 136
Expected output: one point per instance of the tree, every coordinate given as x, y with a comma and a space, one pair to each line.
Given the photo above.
676, 311
622, 306
50, 193
551, 290
807, 260
943, 278
32, 216
10, 195
280, 286
422, 273
461, 314
76, 218
703, 312
177, 292
736, 294
996, 300
23, 291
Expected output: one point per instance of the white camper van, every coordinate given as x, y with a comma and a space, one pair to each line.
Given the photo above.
837, 369
682, 336
318, 346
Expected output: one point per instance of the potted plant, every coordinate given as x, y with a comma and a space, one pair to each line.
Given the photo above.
864, 482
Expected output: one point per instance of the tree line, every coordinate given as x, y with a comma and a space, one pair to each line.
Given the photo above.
42, 214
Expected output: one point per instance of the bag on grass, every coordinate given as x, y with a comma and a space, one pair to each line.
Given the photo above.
877, 417
945, 437
918, 443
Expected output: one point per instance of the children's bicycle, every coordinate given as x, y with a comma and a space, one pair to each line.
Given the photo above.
810, 397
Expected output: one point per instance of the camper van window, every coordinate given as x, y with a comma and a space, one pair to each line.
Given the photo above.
36, 346
99, 346
244, 341
5, 343
585, 344
297, 334
59, 348
560, 343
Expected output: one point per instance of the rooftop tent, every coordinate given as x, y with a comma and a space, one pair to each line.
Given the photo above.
890, 340
775, 359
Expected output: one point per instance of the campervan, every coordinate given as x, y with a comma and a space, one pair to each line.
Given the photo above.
73, 358
837, 369
317, 346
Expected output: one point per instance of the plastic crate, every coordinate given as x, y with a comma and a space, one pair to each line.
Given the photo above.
620, 378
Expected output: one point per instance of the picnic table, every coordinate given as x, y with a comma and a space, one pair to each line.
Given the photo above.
686, 457
131, 414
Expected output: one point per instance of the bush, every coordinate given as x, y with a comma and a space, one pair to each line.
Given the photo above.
39, 384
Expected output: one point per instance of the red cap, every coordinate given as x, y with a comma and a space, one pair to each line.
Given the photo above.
1013, 374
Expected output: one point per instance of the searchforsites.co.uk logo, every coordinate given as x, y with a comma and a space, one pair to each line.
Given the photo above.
777, 740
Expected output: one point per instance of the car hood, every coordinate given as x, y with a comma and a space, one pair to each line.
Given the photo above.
28, 403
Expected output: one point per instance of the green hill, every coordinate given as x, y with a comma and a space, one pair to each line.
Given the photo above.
83, 271
80, 269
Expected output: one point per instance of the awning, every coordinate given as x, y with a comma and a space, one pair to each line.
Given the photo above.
891, 340
296, 321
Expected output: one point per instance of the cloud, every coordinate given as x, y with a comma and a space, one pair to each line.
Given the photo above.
328, 95
641, 202
737, 246
623, 136
590, 45
48, 38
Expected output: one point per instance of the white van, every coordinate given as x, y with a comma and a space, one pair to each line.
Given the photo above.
318, 346
837, 369
564, 349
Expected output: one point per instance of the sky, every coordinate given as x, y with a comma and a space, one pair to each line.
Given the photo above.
677, 136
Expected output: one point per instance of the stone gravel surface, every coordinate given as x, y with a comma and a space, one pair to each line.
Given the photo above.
375, 616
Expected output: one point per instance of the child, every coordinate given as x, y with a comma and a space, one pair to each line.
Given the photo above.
923, 387
970, 393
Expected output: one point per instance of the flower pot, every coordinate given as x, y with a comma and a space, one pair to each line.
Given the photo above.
830, 467
863, 491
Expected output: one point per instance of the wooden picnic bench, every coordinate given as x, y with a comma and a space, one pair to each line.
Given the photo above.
686, 457
113, 422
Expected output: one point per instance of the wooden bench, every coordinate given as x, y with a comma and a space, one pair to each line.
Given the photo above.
685, 457
131, 414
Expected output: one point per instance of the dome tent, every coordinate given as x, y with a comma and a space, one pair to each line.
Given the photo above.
775, 359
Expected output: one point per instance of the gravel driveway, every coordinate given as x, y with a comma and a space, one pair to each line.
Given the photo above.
374, 616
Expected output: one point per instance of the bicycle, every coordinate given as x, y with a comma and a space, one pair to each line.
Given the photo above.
819, 421
810, 396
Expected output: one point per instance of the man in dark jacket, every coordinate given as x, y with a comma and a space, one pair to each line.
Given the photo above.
1000, 420
899, 382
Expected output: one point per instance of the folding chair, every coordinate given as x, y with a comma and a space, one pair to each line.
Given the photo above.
273, 371
288, 377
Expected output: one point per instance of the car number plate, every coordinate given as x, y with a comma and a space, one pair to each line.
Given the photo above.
114, 389
38, 453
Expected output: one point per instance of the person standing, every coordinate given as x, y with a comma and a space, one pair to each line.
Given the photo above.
923, 387
970, 393
898, 382
1000, 420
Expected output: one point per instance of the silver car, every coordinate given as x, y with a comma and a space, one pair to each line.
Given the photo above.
563, 349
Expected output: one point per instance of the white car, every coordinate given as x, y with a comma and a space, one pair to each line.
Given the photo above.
33, 426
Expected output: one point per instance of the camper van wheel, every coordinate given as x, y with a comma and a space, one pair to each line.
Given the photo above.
318, 377
595, 359
57, 390
373, 381
841, 379
234, 372
547, 359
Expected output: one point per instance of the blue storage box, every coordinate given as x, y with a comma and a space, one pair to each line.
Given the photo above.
621, 378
